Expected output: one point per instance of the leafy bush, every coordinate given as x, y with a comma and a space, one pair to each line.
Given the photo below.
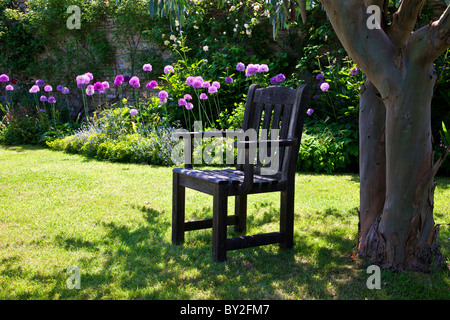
112, 136
329, 148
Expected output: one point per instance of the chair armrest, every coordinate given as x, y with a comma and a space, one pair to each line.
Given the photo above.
188, 142
257, 143
248, 167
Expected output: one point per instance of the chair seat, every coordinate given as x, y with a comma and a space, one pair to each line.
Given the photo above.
225, 176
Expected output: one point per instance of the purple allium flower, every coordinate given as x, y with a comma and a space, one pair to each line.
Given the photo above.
81, 80
90, 75
133, 112
119, 78
197, 84
147, 67
206, 84
187, 96
190, 80
162, 101
168, 69
228, 80
320, 77
163, 94
41, 110
216, 84
4, 78
98, 86
182, 102
189, 106
117, 83
263, 68
354, 71
59, 88
315, 97
134, 82
43, 98
40, 83
324, 86
203, 96
65, 90
90, 90
240, 67
280, 77
51, 99
152, 84
126, 78
48, 88
273, 80
9, 87
309, 112
34, 89
105, 85
251, 70
212, 89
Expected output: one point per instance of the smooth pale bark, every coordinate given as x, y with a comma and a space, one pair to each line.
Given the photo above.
372, 162
397, 229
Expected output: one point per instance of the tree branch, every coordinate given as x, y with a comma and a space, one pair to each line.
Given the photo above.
371, 49
404, 20
429, 42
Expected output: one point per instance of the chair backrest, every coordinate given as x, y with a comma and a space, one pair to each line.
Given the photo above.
281, 109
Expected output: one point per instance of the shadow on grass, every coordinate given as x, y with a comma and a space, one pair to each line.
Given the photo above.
22, 148
138, 261
141, 263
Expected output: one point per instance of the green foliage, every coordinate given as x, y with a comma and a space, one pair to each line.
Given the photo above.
29, 124
329, 148
116, 136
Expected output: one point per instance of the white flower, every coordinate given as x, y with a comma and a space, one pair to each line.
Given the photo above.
177, 23
205, 48
167, 42
232, 8
195, 27
172, 37
246, 26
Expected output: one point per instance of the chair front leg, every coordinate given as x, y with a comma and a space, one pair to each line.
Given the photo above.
287, 217
240, 210
219, 232
178, 210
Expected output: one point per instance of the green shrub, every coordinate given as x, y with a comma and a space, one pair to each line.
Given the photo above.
113, 137
331, 148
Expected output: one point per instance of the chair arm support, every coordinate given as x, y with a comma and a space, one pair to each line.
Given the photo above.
257, 143
189, 140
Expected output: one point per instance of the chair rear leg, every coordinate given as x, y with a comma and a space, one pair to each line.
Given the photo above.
178, 210
219, 233
241, 212
287, 217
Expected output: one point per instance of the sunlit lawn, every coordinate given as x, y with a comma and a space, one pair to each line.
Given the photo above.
113, 221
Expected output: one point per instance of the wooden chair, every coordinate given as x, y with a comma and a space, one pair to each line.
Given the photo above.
268, 108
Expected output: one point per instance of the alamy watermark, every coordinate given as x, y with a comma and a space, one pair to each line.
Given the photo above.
374, 21
374, 280
74, 20
74, 280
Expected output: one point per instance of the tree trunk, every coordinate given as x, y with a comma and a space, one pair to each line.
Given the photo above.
372, 162
397, 228
404, 235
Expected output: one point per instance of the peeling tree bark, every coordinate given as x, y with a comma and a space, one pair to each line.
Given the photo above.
397, 228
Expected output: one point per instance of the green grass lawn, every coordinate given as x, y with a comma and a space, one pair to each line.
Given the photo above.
113, 221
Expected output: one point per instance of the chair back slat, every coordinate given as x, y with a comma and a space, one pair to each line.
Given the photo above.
281, 108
